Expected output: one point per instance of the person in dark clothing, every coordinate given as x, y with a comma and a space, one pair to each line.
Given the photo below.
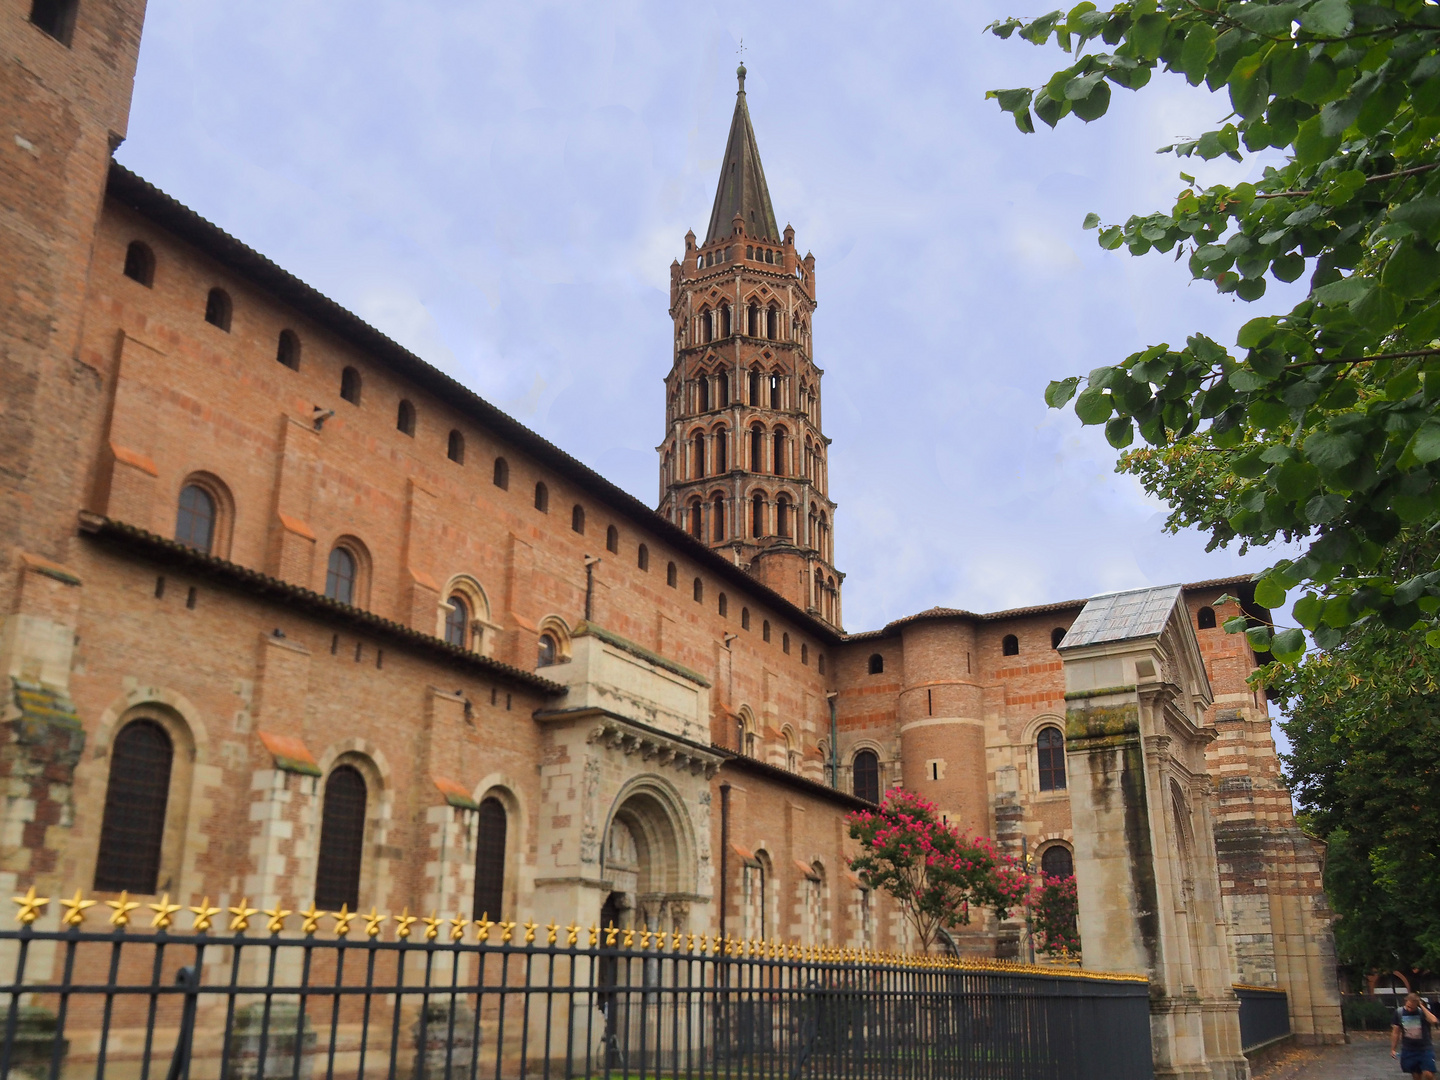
1410, 1040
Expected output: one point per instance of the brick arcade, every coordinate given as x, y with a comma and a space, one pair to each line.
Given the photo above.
289, 614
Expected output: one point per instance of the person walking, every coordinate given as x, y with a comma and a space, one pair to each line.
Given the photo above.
1410, 1040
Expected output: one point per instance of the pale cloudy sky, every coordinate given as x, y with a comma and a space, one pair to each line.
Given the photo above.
502, 187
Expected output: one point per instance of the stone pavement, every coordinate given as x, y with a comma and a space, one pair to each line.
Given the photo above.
1367, 1057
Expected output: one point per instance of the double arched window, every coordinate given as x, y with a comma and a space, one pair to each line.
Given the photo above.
342, 840
1050, 757
865, 769
132, 831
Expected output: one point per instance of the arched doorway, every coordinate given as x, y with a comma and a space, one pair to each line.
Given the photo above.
649, 856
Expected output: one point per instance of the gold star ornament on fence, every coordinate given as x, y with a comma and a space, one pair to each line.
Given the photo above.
164, 913
30, 906
204, 916
75, 909
121, 909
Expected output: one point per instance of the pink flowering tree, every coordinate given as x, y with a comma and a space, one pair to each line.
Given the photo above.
1054, 915
935, 872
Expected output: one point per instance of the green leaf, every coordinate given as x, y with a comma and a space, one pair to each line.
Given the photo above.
1412, 270
1120, 432
1092, 221
1288, 70
1259, 638
1312, 145
1327, 18
1308, 610
1262, 18
1288, 645
1197, 51
1422, 215
1050, 109
1147, 35
1256, 332
1060, 391
1248, 381
1332, 450
1094, 406
1424, 445
1344, 291
1323, 508
1111, 238
1269, 593
1093, 105
1236, 624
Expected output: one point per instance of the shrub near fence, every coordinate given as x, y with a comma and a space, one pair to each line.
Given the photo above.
428, 999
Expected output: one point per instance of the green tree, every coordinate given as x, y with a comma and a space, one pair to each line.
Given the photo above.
1321, 424
1365, 729
935, 872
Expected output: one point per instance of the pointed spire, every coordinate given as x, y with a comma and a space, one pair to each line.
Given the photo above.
742, 190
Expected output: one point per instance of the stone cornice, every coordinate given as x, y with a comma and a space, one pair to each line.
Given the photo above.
618, 732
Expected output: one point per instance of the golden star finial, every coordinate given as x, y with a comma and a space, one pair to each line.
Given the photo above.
506, 929
530, 932
164, 913
675, 939
644, 939
343, 918
204, 915
30, 906
689, 943
482, 927
610, 932
75, 909
373, 921
277, 916
122, 908
594, 935
572, 935
552, 933
457, 927
243, 913
311, 915
403, 922
432, 926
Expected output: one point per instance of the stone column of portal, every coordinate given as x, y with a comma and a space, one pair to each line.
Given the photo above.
942, 729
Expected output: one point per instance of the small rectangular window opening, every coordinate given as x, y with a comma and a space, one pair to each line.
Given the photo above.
159, 587
334, 644
930, 702
358, 649
191, 597
55, 17
379, 658
493, 693
507, 702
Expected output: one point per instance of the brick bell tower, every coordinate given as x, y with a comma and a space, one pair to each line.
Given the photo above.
744, 464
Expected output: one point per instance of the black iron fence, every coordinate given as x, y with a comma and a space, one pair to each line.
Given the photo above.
432, 999
1264, 1015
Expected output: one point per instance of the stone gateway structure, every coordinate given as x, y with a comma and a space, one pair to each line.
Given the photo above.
290, 615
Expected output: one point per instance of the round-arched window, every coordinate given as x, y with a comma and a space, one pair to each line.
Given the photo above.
1057, 861
1205, 617
340, 576
547, 650
866, 770
457, 622
195, 521
1050, 749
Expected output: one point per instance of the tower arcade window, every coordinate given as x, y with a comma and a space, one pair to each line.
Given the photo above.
342, 840
132, 829
757, 515
577, 519
702, 393
455, 448
502, 474
772, 321
782, 516
140, 263
724, 320
195, 520
774, 391
612, 540
542, 498
1010, 645
752, 320
457, 622
350, 385
877, 663
56, 18
696, 519
287, 350
1056, 637
717, 517
755, 387
697, 455
720, 455
490, 860
1057, 862
757, 448
340, 575
865, 771
1205, 618
1050, 751
218, 308
779, 451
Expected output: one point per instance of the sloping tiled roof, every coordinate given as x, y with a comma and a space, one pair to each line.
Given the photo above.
1123, 616
742, 189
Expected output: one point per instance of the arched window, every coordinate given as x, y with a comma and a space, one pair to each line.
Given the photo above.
744, 618
792, 752
774, 391
699, 590
1050, 748
55, 17
865, 768
722, 385
132, 830
502, 474
752, 319
1206, 618
820, 663
546, 651
724, 605
785, 643
772, 320
490, 860
672, 575
724, 320
405, 418
696, 516
779, 451
455, 448
612, 540
1056, 637
140, 263
721, 437
542, 498
707, 327
195, 520
342, 840
350, 385
755, 387
877, 663
697, 455
217, 309
642, 557
1010, 645
702, 393
340, 575
765, 630
577, 519
1057, 861
717, 515
782, 516
757, 515
287, 351
804, 653
757, 448
457, 622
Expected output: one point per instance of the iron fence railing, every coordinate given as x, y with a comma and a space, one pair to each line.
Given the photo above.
432, 999
1264, 1015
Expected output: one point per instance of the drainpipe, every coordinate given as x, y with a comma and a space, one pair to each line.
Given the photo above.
590, 563
834, 750
724, 851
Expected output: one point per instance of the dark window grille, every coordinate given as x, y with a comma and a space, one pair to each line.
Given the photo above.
490, 860
457, 621
542, 498
133, 828
642, 557
867, 776
1050, 747
577, 520
1057, 862
195, 521
612, 540
340, 576
342, 840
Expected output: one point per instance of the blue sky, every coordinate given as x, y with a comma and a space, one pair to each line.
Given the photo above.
502, 188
